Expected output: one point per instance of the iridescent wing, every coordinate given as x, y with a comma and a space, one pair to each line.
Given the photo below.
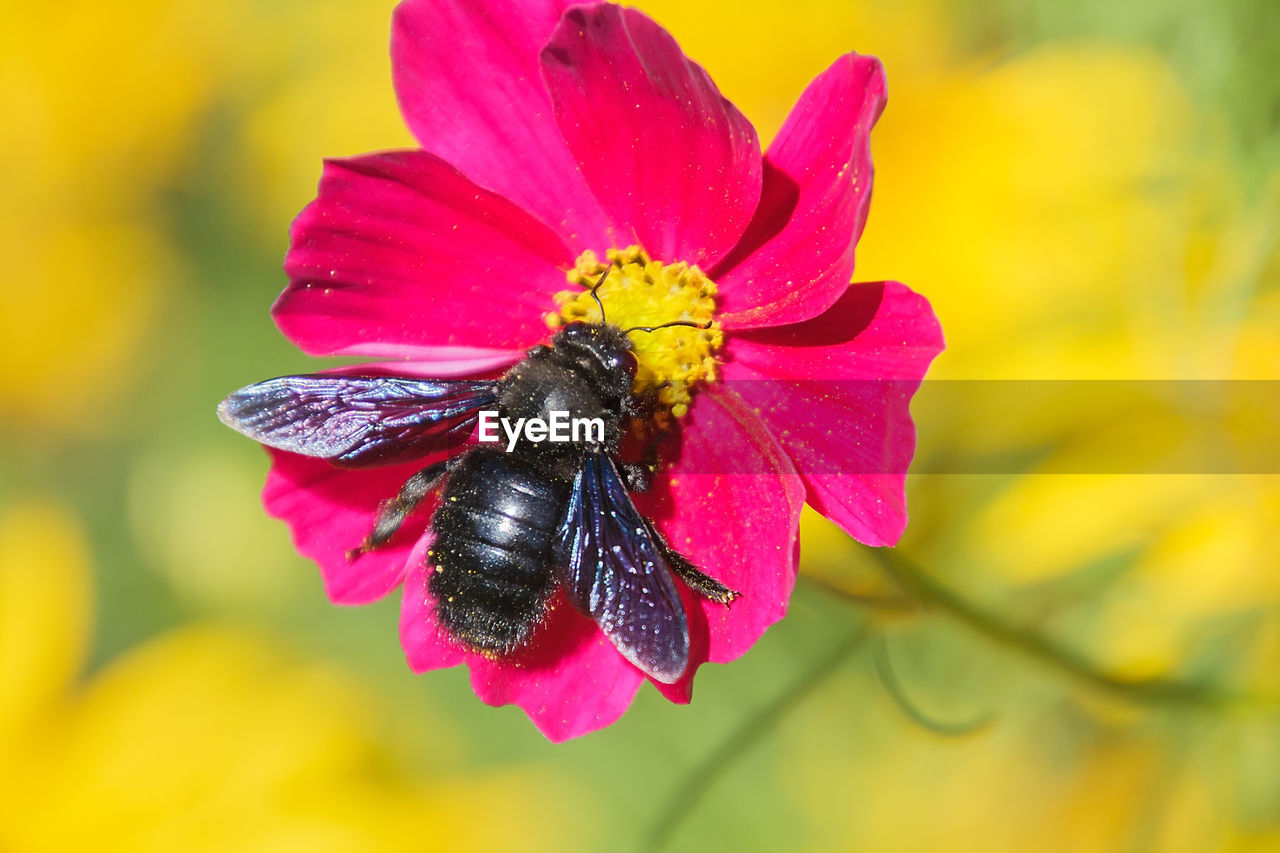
357, 421
612, 570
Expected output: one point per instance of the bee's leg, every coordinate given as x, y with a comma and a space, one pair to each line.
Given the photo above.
392, 513
698, 581
638, 476
643, 405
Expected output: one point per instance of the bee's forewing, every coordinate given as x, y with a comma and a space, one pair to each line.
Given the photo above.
357, 420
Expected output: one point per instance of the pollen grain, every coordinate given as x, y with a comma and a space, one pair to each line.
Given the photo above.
640, 291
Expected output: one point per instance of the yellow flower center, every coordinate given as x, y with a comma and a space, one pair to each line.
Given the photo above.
643, 292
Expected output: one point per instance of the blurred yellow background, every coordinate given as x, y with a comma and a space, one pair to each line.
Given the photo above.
1084, 191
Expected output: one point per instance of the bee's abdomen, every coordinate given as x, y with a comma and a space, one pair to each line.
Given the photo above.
491, 575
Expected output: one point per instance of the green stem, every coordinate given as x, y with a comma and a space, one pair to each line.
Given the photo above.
898, 693
929, 592
703, 778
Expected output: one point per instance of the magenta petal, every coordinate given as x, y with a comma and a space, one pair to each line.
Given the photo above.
836, 391
570, 680
586, 686
330, 510
730, 503
496, 126
675, 166
796, 257
400, 256
425, 646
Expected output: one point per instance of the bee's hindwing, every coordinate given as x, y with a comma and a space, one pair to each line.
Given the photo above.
612, 570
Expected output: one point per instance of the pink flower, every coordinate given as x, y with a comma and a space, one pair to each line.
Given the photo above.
548, 131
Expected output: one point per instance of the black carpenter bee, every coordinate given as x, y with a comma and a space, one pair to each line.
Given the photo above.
514, 520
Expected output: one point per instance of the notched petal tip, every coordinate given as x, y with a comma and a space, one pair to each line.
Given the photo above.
620, 87
850, 433
502, 135
797, 255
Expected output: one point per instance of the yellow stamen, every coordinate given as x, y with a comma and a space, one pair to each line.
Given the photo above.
643, 292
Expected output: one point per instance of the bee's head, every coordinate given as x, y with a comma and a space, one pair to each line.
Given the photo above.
602, 342
607, 347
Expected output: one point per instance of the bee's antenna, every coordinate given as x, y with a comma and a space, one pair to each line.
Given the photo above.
690, 323
607, 270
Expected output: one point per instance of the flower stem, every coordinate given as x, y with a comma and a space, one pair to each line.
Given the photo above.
928, 592
898, 693
698, 782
